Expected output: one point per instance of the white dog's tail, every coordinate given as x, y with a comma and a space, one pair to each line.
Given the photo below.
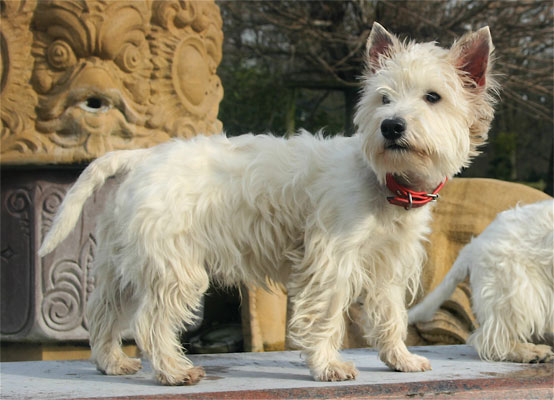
425, 310
91, 179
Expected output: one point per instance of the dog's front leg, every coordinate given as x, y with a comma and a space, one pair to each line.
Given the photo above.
317, 327
385, 326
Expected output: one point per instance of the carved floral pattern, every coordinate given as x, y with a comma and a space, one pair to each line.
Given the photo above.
44, 298
18, 204
106, 75
61, 304
187, 44
52, 198
67, 281
66, 290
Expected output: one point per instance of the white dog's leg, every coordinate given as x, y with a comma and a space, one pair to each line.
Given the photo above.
317, 327
385, 326
170, 292
157, 334
106, 317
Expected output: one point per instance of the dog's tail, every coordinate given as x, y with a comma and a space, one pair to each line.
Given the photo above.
92, 178
425, 310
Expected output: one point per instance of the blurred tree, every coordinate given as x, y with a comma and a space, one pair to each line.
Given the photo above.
310, 48
504, 161
255, 100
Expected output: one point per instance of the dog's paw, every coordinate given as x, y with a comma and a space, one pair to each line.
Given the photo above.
337, 371
531, 353
124, 366
406, 362
190, 376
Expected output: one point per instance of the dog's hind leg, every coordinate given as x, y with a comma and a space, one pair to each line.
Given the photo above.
169, 300
107, 313
385, 326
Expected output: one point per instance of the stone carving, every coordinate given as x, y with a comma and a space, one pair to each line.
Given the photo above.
66, 287
18, 205
92, 70
66, 282
79, 78
18, 100
52, 198
16, 262
186, 46
44, 299
105, 75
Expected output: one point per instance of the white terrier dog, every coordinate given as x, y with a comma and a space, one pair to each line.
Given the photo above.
326, 218
511, 269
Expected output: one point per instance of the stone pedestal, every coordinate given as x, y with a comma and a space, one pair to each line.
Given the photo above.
80, 78
44, 299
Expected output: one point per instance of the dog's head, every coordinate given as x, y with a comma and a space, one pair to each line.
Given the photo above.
424, 109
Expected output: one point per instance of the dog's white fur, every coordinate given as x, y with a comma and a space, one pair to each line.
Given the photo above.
511, 269
308, 212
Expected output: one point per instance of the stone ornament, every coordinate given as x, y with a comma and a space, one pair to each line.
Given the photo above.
44, 299
17, 98
81, 78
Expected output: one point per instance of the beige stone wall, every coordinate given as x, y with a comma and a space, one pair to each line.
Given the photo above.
83, 77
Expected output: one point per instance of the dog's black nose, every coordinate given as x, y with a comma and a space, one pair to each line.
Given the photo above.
393, 129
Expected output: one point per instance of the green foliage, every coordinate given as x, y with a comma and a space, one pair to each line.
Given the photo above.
320, 110
502, 165
254, 101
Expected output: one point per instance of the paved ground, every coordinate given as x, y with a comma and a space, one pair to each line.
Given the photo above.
457, 372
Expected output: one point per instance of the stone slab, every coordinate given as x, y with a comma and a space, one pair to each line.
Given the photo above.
457, 373
43, 299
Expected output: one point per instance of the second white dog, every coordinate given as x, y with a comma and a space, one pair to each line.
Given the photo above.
333, 220
511, 269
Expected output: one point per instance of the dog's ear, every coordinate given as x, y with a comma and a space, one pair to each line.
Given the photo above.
379, 44
472, 54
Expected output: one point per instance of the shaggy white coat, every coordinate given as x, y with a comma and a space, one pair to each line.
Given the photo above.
309, 213
511, 269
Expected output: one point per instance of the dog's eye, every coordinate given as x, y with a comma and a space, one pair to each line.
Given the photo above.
385, 99
432, 97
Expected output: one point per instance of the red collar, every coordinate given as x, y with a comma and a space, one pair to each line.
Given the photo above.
407, 198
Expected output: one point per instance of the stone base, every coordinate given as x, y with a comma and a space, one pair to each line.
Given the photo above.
43, 299
10, 351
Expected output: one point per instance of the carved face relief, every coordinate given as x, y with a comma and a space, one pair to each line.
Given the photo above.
83, 77
92, 73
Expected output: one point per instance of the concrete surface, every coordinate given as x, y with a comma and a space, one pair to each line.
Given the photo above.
457, 372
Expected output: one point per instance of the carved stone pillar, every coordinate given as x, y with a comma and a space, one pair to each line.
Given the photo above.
80, 78
44, 299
